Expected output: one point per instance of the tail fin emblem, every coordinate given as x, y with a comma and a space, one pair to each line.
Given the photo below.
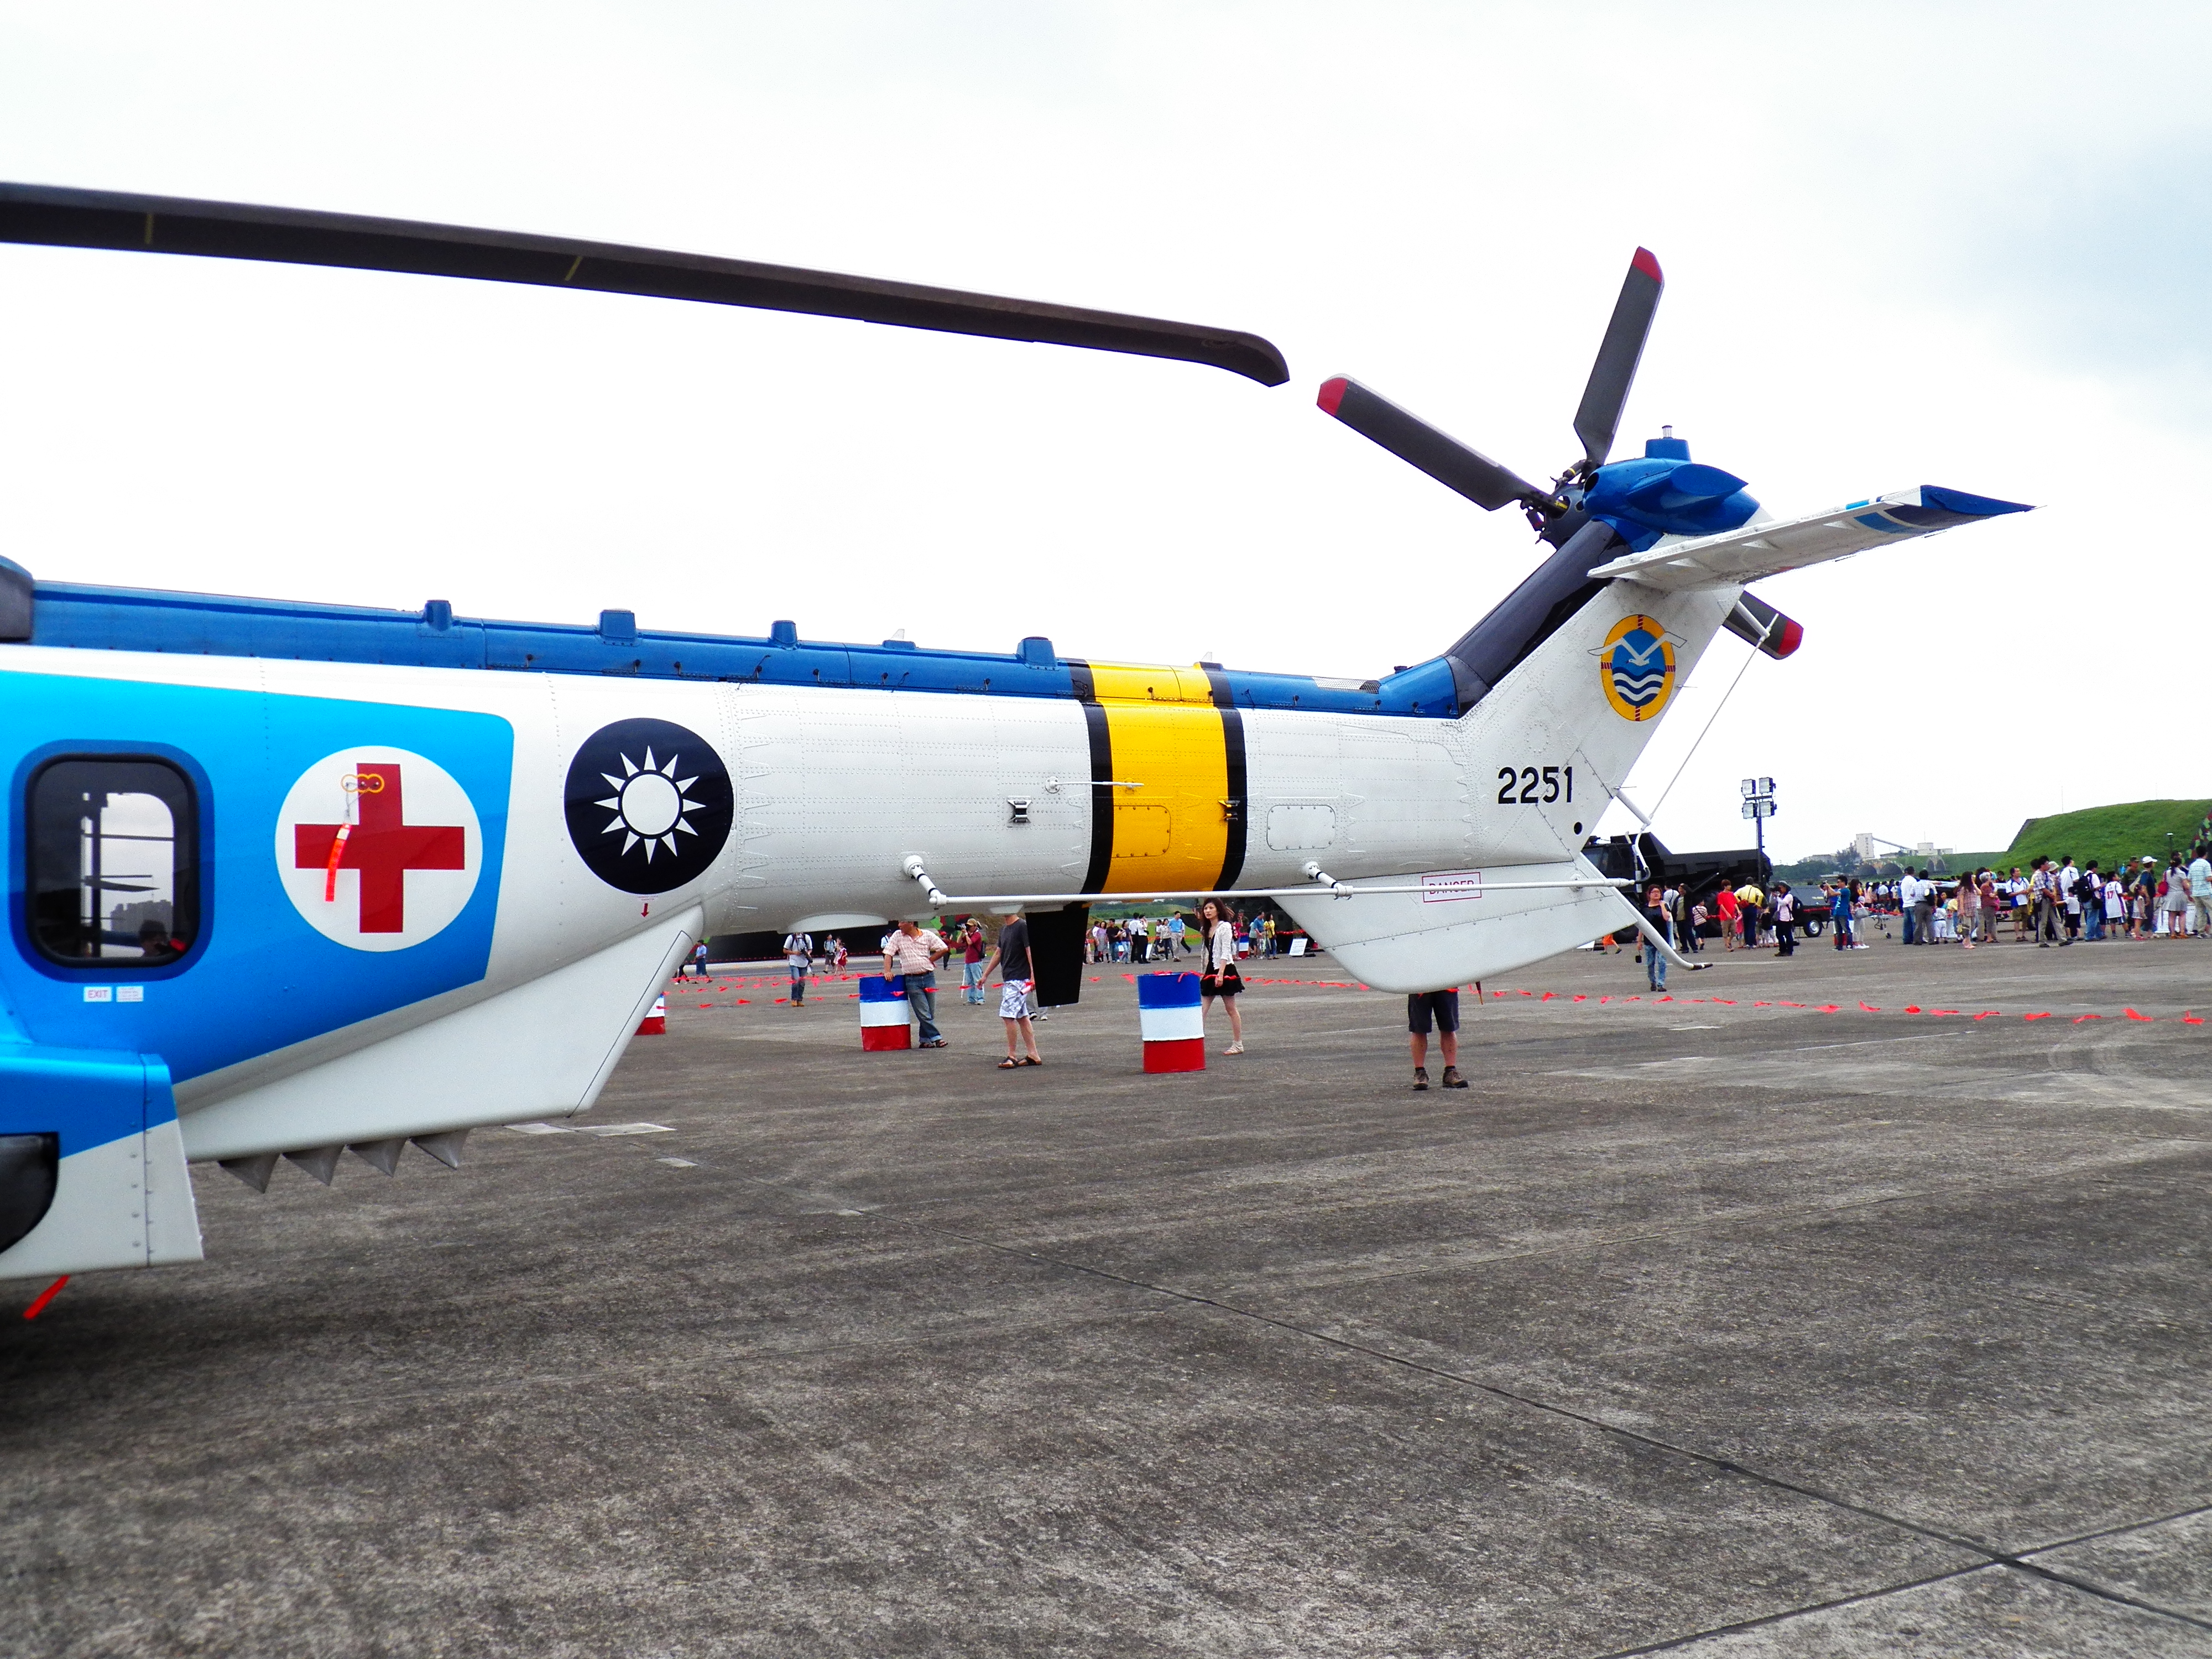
1635, 667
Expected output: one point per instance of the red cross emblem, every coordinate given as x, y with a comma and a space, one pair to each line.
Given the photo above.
383, 847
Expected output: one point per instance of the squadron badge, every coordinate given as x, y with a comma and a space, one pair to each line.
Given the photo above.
1636, 666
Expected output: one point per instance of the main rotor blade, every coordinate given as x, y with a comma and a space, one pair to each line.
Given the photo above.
1439, 455
1618, 354
163, 224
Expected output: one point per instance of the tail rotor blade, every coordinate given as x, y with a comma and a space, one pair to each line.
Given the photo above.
1440, 455
1599, 418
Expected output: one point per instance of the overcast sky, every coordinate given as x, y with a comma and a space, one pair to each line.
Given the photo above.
1962, 245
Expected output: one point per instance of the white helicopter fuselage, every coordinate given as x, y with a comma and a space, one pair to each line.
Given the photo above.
298, 879
510, 971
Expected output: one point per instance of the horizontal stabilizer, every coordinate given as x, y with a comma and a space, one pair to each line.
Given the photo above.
1459, 925
1770, 547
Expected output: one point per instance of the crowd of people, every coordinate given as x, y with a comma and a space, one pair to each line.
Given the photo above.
2053, 903
2056, 903
1742, 918
1170, 938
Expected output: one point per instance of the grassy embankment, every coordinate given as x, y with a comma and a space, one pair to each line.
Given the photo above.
2106, 833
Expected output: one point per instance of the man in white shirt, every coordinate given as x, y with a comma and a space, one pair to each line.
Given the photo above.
2070, 880
1908, 894
2200, 891
799, 958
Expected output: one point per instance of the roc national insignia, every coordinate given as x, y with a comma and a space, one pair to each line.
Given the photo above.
1636, 666
648, 803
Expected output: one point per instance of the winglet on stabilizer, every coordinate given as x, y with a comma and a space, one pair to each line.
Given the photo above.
1759, 624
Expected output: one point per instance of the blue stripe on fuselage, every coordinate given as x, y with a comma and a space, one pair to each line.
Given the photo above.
74, 617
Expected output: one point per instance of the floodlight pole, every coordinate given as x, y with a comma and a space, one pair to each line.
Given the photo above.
1758, 806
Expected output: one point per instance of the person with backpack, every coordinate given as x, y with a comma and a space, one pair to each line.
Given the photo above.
2043, 888
798, 958
1653, 958
2175, 903
1750, 900
2065, 905
1678, 912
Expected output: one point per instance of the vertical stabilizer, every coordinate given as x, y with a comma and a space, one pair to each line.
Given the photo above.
1587, 697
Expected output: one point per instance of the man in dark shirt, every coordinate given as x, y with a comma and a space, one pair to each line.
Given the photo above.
1016, 975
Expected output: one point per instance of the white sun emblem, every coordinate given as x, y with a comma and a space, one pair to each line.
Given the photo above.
648, 804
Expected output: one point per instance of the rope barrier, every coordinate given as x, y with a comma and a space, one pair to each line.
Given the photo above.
1593, 1000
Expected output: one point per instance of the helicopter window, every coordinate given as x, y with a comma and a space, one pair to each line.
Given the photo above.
114, 862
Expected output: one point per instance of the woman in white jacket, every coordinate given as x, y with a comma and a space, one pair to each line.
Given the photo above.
1221, 978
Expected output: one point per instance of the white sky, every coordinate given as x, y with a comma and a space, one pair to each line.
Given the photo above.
1967, 245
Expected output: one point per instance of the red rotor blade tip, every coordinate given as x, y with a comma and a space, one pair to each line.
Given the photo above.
1648, 265
1332, 394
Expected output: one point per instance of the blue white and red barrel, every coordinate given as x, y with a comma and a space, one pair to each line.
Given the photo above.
883, 1013
1172, 1022
656, 1023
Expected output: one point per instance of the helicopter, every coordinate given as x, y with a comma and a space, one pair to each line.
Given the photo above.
303, 882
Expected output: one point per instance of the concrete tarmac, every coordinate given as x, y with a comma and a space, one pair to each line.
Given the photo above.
1702, 1327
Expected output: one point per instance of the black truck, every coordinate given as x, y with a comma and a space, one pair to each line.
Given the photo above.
1645, 860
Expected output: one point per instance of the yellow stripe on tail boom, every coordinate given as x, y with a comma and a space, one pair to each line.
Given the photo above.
1168, 776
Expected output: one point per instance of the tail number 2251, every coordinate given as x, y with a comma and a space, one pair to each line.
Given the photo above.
1533, 785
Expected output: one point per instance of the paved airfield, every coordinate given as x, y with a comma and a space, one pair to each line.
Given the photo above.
1726, 1329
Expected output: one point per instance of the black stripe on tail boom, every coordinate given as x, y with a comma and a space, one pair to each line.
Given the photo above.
1102, 773
1232, 748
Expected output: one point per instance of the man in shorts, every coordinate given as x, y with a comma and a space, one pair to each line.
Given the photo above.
1017, 978
1439, 1009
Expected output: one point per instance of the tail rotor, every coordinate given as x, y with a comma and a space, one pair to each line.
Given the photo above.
1552, 509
